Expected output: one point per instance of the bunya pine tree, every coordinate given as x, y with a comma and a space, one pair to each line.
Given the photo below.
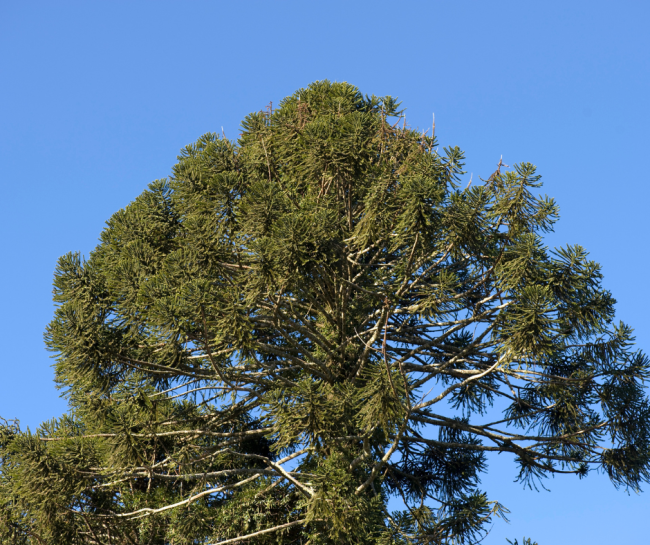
316, 335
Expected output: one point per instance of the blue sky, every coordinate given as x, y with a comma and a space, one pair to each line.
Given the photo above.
97, 98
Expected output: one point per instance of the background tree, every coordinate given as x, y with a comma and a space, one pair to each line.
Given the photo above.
301, 326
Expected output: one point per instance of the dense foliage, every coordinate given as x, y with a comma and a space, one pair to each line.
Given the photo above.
314, 334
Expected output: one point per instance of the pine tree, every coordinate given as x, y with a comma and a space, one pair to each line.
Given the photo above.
314, 334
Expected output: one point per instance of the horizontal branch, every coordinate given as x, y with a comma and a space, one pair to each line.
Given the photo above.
261, 532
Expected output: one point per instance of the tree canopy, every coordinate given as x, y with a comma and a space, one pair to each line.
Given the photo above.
314, 335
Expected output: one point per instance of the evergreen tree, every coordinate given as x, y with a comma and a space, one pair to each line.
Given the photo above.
314, 334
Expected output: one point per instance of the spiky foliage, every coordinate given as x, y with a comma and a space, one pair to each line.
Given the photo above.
301, 326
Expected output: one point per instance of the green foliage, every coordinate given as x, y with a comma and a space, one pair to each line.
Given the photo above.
309, 326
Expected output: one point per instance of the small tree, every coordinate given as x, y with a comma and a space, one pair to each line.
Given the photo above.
315, 335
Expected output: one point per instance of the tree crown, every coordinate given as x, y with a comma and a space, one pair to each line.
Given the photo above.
302, 325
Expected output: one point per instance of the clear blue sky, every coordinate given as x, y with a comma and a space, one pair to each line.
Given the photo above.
96, 99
